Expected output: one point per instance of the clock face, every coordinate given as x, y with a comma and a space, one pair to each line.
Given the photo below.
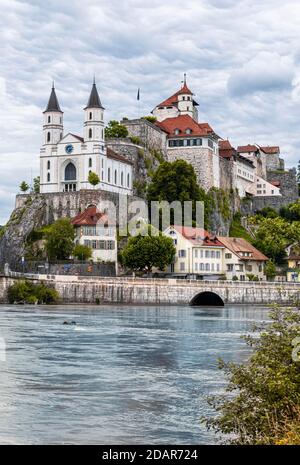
69, 148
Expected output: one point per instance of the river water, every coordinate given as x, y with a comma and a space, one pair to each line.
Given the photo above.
122, 375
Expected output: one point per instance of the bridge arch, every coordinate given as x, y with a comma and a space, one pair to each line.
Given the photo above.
207, 298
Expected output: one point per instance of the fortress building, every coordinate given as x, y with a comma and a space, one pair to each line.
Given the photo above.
67, 159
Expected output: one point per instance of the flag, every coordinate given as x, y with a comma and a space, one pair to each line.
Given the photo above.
138, 94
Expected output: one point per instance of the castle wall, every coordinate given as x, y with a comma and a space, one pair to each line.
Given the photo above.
150, 135
288, 183
226, 173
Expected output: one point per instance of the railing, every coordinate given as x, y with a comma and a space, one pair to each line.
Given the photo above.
158, 281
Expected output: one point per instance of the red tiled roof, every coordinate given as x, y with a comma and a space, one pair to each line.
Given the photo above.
173, 100
225, 149
276, 183
271, 150
183, 123
247, 148
198, 236
90, 217
238, 245
116, 156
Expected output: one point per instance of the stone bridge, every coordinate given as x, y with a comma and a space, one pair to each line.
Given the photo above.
77, 289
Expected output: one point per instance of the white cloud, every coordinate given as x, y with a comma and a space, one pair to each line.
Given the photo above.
242, 60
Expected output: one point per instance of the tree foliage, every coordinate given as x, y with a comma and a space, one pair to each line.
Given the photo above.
27, 292
60, 239
142, 253
270, 269
82, 252
24, 186
36, 185
115, 130
93, 178
262, 399
176, 181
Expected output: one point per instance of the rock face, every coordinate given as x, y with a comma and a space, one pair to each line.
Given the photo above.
225, 205
25, 218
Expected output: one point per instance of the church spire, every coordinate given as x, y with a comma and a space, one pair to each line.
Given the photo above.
94, 100
53, 104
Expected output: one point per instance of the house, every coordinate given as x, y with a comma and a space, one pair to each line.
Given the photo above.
95, 230
293, 271
242, 259
197, 253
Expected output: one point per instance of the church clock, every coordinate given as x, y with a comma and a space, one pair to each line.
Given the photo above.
69, 148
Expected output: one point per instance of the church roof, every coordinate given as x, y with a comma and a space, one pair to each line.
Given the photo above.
184, 123
94, 99
53, 104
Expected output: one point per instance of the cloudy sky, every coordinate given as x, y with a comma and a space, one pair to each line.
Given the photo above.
242, 59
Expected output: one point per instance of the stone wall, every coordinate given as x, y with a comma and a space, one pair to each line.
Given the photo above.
202, 161
226, 173
288, 183
74, 289
151, 136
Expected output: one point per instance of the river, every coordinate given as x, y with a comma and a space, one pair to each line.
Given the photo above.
122, 375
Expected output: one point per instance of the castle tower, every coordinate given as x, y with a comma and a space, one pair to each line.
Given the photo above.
93, 118
186, 102
53, 121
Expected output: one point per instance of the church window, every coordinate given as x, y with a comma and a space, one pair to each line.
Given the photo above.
108, 175
48, 177
91, 115
128, 180
61, 135
122, 178
60, 120
48, 136
48, 165
49, 119
90, 162
70, 172
115, 176
90, 133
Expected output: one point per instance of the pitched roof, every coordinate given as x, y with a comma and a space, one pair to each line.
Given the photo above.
198, 236
239, 246
225, 149
53, 104
184, 122
247, 148
173, 100
90, 217
94, 99
271, 150
77, 137
116, 156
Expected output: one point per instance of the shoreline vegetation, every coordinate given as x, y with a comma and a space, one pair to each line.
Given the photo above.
261, 404
26, 292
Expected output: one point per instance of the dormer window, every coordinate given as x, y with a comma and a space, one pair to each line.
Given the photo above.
177, 131
188, 131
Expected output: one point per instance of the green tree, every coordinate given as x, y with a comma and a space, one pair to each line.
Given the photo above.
176, 181
36, 185
115, 130
263, 394
270, 270
60, 239
272, 237
27, 292
93, 178
142, 253
82, 252
24, 186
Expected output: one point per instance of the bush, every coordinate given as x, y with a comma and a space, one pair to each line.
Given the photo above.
82, 252
28, 293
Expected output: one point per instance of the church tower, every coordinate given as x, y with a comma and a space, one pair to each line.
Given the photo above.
93, 118
53, 121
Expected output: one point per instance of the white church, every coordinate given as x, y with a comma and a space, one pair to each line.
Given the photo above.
67, 159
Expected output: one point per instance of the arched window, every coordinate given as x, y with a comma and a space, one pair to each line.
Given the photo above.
48, 136
70, 172
108, 175
122, 178
48, 177
48, 165
90, 133
90, 163
128, 180
177, 131
116, 177
49, 119
61, 135
91, 115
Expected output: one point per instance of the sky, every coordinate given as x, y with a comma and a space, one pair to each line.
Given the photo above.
242, 60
